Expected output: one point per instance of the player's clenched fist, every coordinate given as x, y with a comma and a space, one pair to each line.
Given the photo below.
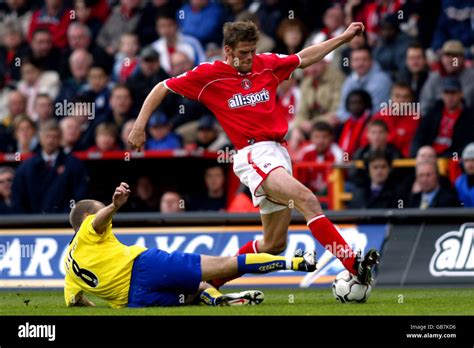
137, 138
121, 195
355, 28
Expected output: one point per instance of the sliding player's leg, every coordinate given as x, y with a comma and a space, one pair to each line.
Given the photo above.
280, 186
275, 231
210, 296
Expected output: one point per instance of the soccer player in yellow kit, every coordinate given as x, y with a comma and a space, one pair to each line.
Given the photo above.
134, 276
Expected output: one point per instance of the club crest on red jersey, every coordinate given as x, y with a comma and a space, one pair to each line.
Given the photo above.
246, 84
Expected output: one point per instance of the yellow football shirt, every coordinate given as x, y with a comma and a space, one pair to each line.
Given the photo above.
99, 264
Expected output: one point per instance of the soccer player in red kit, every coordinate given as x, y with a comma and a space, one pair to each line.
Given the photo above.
241, 91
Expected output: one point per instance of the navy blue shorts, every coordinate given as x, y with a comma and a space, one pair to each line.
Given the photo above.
163, 279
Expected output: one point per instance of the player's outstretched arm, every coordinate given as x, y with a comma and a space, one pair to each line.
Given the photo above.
104, 216
315, 53
137, 136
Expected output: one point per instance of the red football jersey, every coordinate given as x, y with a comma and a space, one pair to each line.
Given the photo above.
244, 104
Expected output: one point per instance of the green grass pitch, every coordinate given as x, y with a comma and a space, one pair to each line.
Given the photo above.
383, 301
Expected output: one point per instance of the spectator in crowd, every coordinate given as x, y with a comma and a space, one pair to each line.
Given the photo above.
126, 59
106, 135
269, 14
378, 140
377, 135
83, 15
452, 65
42, 51
12, 47
242, 202
146, 25
126, 129
4, 91
455, 23
43, 109
71, 134
148, 74
333, 21
367, 75
291, 35
465, 183
25, 135
161, 136
320, 94
378, 192
144, 197
35, 81
235, 9
415, 72
359, 105
50, 181
172, 40
80, 61
432, 194
16, 107
120, 106
171, 202
80, 38
97, 89
214, 198
402, 116
6, 179
322, 149
55, 17
202, 19
208, 136
18, 10
265, 43
123, 19
179, 109
391, 47
371, 14
449, 126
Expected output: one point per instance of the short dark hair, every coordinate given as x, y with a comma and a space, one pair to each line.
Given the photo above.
243, 31
363, 48
417, 46
41, 30
378, 123
166, 15
323, 126
86, 206
377, 155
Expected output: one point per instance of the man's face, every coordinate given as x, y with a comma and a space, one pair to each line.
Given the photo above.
41, 44
24, 132
469, 166
415, 60
44, 108
166, 28
71, 130
426, 154
79, 66
401, 95
377, 137
452, 99
16, 103
120, 101
379, 171
356, 105
452, 63
241, 56
170, 203
214, 179
78, 38
361, 62
426, 177
6, 180
105, 141
322, 140
180, 64
30, 73
149, 67
50, 141
206, 135
97, 79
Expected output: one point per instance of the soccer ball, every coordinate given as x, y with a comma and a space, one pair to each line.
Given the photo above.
347, 289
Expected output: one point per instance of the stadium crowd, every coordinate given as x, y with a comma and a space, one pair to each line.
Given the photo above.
73, 76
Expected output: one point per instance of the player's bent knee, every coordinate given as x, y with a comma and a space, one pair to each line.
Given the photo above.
276, 247
309, 202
